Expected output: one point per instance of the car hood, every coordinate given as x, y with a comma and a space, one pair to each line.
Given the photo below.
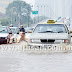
49, 36
4, 34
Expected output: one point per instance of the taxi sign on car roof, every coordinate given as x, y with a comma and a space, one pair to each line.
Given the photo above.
50, 21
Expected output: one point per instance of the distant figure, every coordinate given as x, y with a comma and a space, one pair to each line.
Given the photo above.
11, 25
22, 32
22, 29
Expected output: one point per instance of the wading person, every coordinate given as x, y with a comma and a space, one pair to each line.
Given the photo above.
11, 25
22, 33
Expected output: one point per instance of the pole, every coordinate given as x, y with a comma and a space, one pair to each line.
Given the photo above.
44, 11
71, 11
38, 13
47, 12
10, 15
19, 14
28, 19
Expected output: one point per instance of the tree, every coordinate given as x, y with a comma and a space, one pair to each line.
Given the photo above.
4, 21
19, 11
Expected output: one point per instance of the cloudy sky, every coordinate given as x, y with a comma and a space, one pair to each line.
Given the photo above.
55, 8
4, 4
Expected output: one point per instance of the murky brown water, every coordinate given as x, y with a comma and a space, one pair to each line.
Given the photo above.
21, 62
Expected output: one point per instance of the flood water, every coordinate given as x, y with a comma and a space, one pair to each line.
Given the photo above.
23, 62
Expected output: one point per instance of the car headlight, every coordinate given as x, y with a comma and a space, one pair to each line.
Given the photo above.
5, 37
30, 40
65, 41
34, 40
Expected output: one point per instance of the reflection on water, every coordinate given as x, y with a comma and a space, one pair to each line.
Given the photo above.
21, 62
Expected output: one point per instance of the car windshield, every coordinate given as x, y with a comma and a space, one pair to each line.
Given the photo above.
50, 28
3, 30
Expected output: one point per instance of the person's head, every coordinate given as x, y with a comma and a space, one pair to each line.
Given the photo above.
11, 25
21, 26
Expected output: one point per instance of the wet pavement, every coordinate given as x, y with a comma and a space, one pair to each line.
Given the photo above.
20, 61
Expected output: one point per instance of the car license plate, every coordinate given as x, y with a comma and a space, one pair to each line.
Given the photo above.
48, 46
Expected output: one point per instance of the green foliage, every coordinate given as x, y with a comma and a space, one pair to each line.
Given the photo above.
19, 11
4, 22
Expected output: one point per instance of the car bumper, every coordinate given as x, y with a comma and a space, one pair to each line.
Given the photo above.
3, 41
34, 45
40, 44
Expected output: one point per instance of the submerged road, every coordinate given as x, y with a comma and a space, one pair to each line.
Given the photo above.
19, 61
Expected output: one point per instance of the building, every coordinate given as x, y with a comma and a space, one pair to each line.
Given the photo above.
54, 8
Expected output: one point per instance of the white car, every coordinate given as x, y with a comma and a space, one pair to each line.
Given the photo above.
29, 29
5, 34
28, 32
49, 34
15, 31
